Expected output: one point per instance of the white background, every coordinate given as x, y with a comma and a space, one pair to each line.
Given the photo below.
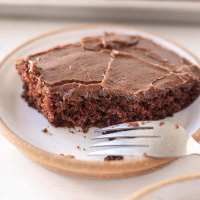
20, 179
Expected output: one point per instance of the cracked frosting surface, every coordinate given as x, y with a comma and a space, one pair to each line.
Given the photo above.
114, 61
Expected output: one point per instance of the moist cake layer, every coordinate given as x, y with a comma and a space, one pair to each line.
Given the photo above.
108, 79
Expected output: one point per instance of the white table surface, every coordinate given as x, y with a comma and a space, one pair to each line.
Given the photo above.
21, 179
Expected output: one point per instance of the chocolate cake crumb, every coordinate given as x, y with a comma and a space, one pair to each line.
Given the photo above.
112, 158
46, 131
161, 123
71, 131
133, 124
78, 147
177, 126
78, 129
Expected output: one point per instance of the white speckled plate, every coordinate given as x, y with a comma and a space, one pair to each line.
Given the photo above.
23, 125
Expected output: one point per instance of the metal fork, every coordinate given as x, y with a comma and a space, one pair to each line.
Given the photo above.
158, 139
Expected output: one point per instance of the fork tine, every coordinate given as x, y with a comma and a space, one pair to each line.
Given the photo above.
139, 142
127, 134
111, 130
137, 124
125, 127
126, 151
113, 127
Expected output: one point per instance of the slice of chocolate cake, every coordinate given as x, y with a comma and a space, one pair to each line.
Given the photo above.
108, 79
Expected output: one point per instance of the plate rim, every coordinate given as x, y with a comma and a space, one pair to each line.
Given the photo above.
67, 165
159, 185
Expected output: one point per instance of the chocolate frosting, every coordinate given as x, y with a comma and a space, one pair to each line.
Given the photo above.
121, 62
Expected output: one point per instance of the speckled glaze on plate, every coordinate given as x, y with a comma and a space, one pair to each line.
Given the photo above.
24, 126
